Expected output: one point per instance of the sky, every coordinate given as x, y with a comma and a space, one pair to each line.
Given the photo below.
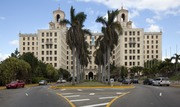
27, 16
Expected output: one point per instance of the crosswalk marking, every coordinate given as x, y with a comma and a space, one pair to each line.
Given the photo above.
92, 94
72, 96
79, 100
107, 97
79, 89
66, 93
95, 105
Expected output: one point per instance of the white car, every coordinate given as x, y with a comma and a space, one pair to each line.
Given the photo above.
161, 81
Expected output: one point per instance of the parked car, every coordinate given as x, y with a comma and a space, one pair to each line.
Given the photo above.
61, 81
148, 81
16, 84
43, 82
161, 81
135, 81
126, 81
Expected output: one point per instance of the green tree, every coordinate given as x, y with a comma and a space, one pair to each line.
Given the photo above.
52, 73
176, 58
64, 74
16, 54
74, 35
111, 31
12, 69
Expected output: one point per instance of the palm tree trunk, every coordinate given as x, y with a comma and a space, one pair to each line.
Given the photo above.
108, 58
74, 70
104, 67
77, 66
99, 73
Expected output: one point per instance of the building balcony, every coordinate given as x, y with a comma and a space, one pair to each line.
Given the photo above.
132, 42
49, 43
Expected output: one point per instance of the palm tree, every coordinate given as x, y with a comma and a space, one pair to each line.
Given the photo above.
99, 61
111, 31
177, 58
74, 34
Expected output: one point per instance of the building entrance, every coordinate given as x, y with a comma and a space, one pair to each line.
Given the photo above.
90, 76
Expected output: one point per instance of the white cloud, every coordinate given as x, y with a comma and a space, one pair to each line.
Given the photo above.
95, 28
154, 28
154, 5
14, 42
133, 25
3, 56
150, 21
2, 18
90, 11
133, 14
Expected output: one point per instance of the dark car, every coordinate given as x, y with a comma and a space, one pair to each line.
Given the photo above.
43, 82
16, 84
135, 81
148, 81
126, 81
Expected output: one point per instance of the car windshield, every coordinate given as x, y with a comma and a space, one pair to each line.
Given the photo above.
13, 82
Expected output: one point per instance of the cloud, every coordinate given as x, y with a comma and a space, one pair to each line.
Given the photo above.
3, 56
2, 18
150, 21
95, 28
154, 28
90, 11
14, 42
133, 14
154, 5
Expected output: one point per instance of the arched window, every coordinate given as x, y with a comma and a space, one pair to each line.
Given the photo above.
58, 18
123, 17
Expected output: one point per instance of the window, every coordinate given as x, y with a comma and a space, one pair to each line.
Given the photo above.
130, 63
156, 51
130, 33
147, 37
125, 39
28, 48
47, 58
156, 46
138, 39
138, 57
125, 45
55, 52
42, 58
152, 41
147, 42
55, 58
134, 57
152, 51
138, 33
125, 33
55, 64
28, 43
23, 48
32, 43
42, 34
156, 56
50, 34
42, 46
147, 51
130, 51
125, 51
138, 51
134, 51
125, 58
156, 41
125, 63
133, 32
138, 45
23, 43
32, 38
42, 40
55, 34
50, 52
130, 57
23, 38
55, 46
156, 36
47, 34
67, 67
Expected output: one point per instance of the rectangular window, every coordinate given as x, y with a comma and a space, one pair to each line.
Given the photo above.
42, 34
55, 34
23, 43
42, 58
55, 58
55, 52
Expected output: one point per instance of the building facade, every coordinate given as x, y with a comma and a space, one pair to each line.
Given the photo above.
135, 45
134, 48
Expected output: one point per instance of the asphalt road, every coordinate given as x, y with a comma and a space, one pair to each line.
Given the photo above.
150, 96
39, 96
140, 96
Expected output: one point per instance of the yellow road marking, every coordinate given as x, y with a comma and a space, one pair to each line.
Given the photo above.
72, 105
110, 103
